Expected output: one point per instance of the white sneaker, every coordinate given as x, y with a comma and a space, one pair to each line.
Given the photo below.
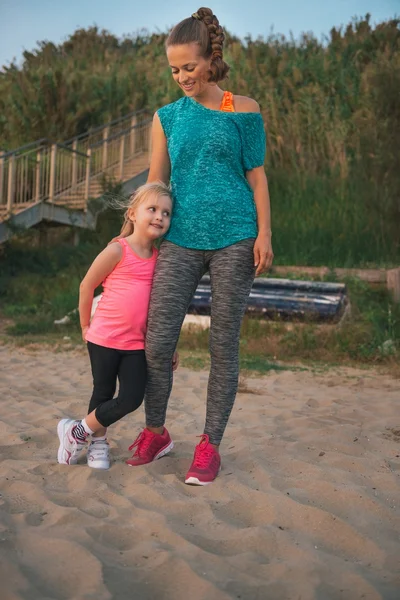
98, 455
69, 449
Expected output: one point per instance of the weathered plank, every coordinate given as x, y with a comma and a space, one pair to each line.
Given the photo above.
372, 276
284, 298
393, 283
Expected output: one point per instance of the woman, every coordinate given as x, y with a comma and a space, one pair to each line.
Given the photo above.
211, 146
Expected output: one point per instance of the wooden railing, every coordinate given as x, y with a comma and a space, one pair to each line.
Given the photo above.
66, 173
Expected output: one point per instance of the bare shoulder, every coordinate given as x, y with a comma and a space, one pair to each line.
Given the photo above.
157, 126
156, 120
113, 250
245, 104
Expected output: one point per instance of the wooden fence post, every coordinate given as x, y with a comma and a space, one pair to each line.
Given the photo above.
87, 180
37, 176
149, 141
122, 157
393, 283
74, 163
1, 178
11, 183
52, 184
133, 135
106, 133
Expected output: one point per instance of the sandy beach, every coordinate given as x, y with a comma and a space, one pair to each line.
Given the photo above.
307, 505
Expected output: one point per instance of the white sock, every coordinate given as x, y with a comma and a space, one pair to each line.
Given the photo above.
101, 438
86, 427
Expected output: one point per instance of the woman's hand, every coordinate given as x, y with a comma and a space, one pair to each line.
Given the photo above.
175, 361
263, 254
84, 332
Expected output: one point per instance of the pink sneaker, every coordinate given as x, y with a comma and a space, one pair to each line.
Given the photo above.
206, 463
149, 446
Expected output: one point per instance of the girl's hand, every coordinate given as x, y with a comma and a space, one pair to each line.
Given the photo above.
84, 332
263, 254
175, 361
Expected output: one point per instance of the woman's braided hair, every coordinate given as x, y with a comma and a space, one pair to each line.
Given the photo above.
203, 28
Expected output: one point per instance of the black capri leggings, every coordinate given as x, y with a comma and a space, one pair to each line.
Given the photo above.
108, 365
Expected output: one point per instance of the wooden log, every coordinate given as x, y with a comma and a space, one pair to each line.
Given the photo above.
283, 298
372, 276
376, 277
393, 283
310, 271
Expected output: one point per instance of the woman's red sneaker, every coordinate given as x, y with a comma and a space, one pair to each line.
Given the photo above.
149, 446
206, 463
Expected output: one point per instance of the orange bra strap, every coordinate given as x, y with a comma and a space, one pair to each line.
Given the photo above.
227, 102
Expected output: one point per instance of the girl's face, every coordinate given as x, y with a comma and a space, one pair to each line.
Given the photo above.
189, 69
152, 217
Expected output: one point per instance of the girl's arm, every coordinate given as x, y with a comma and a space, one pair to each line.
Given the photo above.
160, 165
263, 254
98, 271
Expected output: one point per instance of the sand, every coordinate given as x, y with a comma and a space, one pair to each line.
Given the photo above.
307, 505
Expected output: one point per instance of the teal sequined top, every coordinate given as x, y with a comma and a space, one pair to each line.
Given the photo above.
210, 152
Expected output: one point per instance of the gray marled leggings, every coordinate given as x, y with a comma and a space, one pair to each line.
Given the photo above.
178, 272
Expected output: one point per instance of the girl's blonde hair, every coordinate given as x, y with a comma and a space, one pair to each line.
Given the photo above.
142, 193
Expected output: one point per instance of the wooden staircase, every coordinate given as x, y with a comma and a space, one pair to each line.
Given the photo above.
63, 177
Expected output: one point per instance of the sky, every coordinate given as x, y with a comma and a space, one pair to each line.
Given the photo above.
25, 22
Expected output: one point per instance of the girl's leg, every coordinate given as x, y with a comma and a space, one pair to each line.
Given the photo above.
178, 272
132, 383
105, 363
232, 273
73, 434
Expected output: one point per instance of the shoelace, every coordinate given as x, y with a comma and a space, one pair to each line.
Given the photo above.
203, 453
142, 442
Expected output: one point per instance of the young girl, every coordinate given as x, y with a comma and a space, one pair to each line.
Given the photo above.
116, 335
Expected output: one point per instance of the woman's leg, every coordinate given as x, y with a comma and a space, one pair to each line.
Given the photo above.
232, 273
178, 272
132, 383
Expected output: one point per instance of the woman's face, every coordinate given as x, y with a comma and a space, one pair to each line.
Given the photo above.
189, 69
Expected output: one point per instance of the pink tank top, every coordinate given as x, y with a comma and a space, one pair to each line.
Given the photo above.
120, 320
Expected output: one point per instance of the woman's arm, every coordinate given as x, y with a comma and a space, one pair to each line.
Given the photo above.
160, 165
263, 254
98, 271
